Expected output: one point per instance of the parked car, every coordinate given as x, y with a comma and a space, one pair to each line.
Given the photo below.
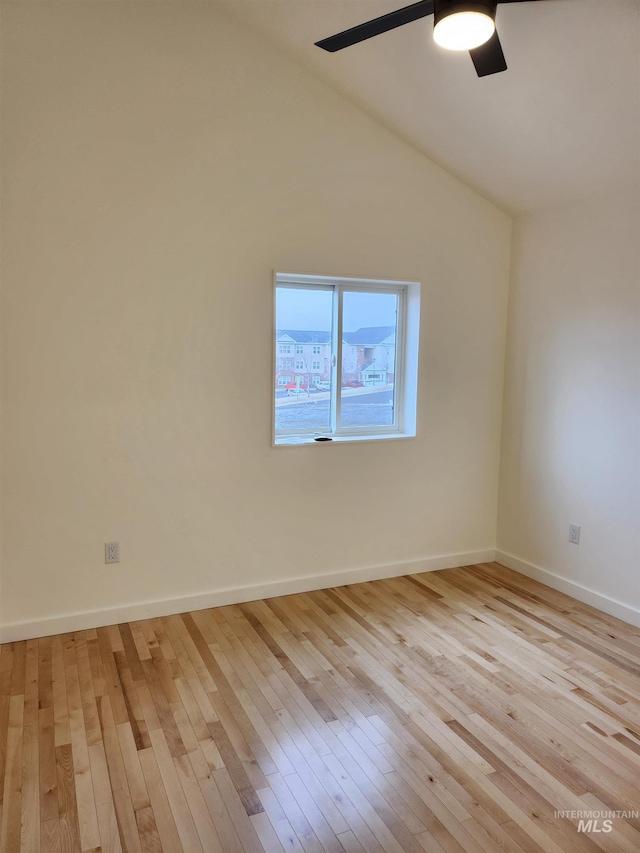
294, 390
321, 385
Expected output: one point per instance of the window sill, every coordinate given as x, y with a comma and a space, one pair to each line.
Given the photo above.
306, 440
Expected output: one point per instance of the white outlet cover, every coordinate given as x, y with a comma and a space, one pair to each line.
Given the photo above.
112, 552
574, 533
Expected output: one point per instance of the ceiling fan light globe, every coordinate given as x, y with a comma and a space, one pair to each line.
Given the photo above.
463, 30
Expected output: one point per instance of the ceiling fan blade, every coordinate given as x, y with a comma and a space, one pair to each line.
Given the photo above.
489, 58
377, 26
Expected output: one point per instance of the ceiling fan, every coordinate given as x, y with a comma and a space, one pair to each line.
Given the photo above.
458, 25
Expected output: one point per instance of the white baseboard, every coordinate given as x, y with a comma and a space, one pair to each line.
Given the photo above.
63, 623
576, 590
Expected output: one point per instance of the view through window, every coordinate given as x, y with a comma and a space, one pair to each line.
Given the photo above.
337, 358
304, 324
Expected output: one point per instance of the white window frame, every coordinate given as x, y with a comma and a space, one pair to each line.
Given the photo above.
406, 351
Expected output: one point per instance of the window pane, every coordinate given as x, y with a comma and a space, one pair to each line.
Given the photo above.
369, 326
303, 380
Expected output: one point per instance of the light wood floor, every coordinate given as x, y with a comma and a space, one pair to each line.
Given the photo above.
449, 711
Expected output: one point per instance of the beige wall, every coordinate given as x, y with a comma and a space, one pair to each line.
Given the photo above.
571, 431
158, 163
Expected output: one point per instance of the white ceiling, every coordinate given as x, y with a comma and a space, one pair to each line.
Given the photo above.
562, 123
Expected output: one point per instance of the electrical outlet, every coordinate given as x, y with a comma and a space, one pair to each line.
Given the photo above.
574, 533
112, 552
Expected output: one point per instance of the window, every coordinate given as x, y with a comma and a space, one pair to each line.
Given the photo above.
285, 349
283, 380
366, 384
300, 349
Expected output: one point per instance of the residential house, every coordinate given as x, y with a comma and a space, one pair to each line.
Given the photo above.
304, 357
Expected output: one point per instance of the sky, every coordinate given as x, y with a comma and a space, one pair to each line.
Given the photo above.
310, 309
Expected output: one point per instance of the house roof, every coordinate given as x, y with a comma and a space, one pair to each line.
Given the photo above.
366, 336
370, 335
373, 367
301, 336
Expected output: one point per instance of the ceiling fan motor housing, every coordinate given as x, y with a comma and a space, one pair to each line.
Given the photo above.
444, 8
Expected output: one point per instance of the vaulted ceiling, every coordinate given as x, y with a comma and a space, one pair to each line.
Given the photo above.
561, 124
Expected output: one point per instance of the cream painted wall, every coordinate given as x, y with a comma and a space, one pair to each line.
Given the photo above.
159, 162
571, 446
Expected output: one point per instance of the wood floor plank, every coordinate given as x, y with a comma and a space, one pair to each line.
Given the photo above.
6, 664
87, 694
50, 836
242, 823
148, 831
304, 791
67, 803
62, 734
187, 831
458, 711
314, 834
269, 841
204, 824
215, 804
30, 835
162, 709
104, 800
83, 780
125, 812
47, 764
12, 805
160, 806
30, 818
133, 770
280, 821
